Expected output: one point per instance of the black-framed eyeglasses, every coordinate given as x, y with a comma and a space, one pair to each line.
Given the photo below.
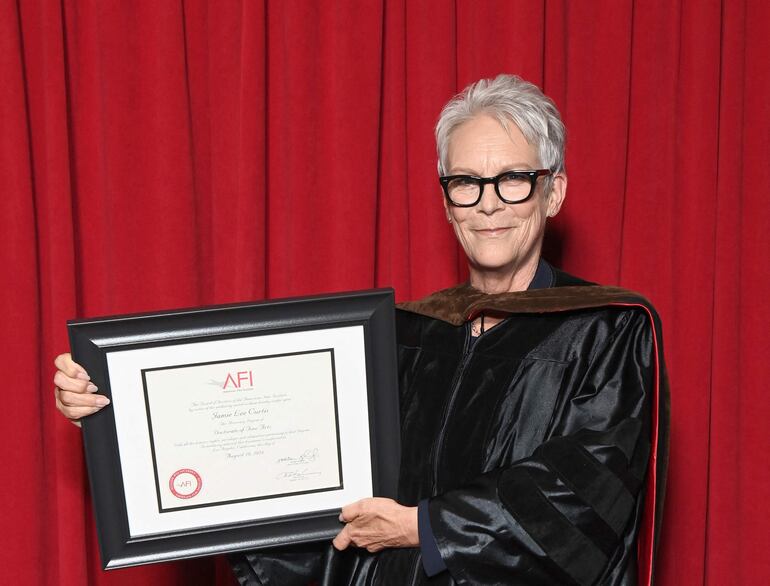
464, 191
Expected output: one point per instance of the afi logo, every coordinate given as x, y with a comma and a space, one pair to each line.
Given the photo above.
240, 378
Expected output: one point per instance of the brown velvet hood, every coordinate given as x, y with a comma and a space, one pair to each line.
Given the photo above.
461, 303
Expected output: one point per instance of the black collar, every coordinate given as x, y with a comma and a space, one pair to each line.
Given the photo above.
544, 276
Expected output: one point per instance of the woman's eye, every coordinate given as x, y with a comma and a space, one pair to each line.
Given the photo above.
514, 178
459, 182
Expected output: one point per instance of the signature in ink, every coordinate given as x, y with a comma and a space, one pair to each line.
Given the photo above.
305, 457
294, 475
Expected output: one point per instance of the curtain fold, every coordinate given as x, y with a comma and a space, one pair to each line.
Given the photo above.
172, 154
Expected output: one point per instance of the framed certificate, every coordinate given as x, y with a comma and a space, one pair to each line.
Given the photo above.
238, 427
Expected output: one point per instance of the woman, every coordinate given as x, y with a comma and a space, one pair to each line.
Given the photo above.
532, 448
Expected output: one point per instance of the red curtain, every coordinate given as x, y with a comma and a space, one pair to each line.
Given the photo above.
168, 154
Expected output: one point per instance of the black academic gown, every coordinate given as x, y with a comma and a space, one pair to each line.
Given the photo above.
541, 445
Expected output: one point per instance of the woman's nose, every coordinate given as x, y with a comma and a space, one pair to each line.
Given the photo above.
489, 200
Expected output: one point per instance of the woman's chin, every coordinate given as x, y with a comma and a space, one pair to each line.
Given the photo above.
493, 265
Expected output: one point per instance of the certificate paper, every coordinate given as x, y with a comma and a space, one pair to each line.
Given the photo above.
239, 430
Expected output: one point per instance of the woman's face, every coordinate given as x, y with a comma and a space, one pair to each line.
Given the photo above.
499, 239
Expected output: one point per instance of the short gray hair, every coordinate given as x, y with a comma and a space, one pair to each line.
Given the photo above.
507, 98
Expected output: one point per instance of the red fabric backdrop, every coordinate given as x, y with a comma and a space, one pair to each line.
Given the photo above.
166, 154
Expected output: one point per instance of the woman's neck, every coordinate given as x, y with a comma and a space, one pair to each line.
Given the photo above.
504, 281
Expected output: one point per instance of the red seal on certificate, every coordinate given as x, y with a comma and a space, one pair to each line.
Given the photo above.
185, 483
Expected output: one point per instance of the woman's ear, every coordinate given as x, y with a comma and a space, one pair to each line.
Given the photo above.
557, 194
446, 210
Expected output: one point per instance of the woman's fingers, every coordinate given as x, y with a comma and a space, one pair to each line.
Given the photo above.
342, 541
75, 385
71, 399
72, 369
377, 523
75, 394
80, 406
351, 511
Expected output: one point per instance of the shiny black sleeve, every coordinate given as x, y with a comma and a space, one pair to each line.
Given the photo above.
569, 513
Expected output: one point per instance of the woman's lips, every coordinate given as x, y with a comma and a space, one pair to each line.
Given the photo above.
491, 231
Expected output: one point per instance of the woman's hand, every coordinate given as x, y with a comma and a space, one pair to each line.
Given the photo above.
75, 393
377, 523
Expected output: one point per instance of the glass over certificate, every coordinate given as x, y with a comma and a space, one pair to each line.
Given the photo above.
238, 427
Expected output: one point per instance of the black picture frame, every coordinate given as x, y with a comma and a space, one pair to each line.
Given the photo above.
93, 340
